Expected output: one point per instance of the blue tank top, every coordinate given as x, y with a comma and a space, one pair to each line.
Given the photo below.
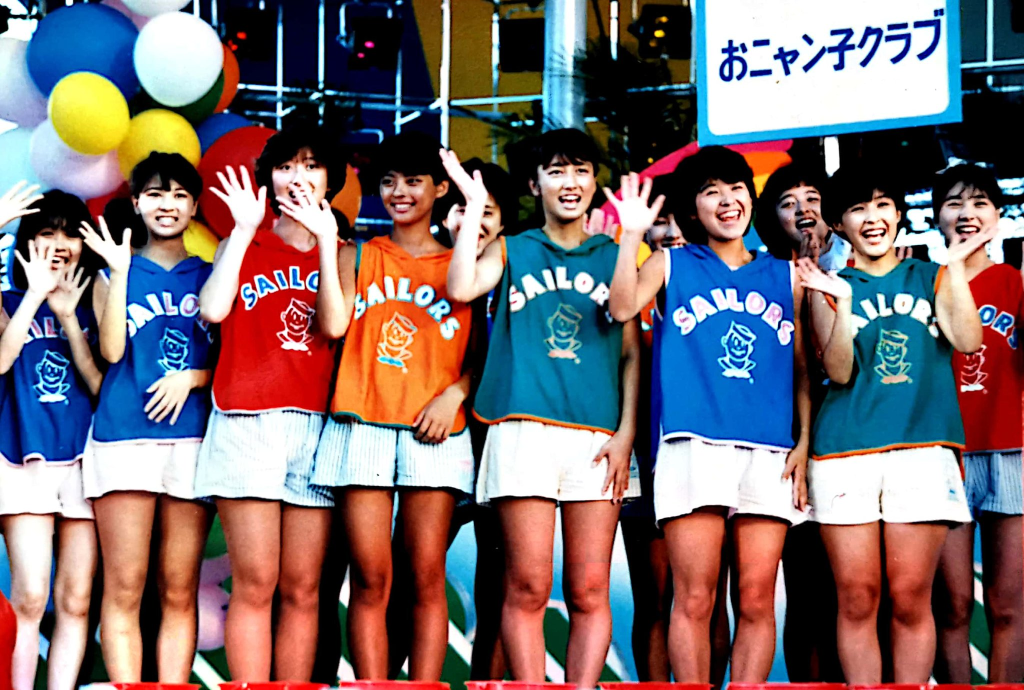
10, 449
724, 353
52, 406
165, 335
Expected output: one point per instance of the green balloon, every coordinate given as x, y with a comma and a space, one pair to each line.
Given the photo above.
193, 112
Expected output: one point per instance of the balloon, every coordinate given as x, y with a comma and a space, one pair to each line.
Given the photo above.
151, 8
20, 100
98, 205
89, 113
200, 241
84, 38
350, 197
157, 130
236, 148
193, 112
137, 19
214, 127
16, 164
58, 165
231, 78
178, 58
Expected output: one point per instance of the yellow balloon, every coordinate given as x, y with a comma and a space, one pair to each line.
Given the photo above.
200, 241
89, 113
157, 130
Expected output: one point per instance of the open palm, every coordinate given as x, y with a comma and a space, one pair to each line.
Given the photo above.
39, 274
117, 256
636, 215
813, 278
15, 202
248, 207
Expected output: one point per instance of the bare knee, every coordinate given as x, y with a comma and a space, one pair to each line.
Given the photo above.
911, 601
371, 586
695, 603
429, 583
178, 594
72, 599
528, 592
124, 588
956, 611
1006, 606
858, 601
255, 586
757, 601
300, 591
29, 600
588, 593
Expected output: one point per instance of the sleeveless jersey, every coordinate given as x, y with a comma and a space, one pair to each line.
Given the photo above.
10, 448
725, 350
52, 404
554, 351
165, 335
273, 356
901, 393
407, 341
989, 382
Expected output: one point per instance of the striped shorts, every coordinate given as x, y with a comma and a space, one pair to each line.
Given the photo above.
268, 455
356, 454
993, 482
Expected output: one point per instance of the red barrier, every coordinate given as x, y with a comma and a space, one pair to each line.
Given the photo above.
1000, 686
8, 634
655, 685
392, 685
274, 685
787, 686
910, 686
152, 686
517, 685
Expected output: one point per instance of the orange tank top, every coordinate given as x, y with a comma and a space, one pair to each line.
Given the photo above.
407, 341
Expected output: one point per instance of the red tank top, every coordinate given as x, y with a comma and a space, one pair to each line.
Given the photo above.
990, 381
273, 356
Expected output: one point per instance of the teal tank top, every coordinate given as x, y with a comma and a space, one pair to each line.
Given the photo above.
902, 392
554, 351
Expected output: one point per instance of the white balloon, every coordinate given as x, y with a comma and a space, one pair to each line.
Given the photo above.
137, 19
20, 100
151, 8
84, 176
178, 58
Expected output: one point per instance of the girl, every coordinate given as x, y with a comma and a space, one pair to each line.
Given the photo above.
46, 346
732, 340
270, 390
559, 390
967, 201
885, 434
153, 407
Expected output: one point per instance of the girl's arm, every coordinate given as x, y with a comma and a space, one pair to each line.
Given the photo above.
63, 303
41, 282
112, 317
631, 290
434, 423
619, 448
170, 393
832, 326
796, 462
954, 304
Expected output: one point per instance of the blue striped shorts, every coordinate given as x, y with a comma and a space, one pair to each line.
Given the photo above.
268, 455
356, 454
994, 482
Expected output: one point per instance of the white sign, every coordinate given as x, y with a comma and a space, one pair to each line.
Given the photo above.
796, 68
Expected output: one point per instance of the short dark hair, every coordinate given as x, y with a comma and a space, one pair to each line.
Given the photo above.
498, 184
283, 146
693, 172
166, 167
568, 145
788, 177
58, 211
972, 177
857, 183
409, 153
666, 185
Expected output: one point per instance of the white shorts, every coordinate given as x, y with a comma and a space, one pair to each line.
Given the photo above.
268, 455
901, 486
42, 488
994, 483
356, 454
691, 473
167, 467
530, 459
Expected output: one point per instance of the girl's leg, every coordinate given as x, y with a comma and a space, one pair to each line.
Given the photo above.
332, 577
184, 526
30, 550
426, 517
304, 536
528, 532
758, 543
252, 530
77, 555
1003, 558
588, 534
855, 554
124, 520
488, 661
726, 592
400, 604
367, 517
647, 558
695, 552
953, 603
911, 558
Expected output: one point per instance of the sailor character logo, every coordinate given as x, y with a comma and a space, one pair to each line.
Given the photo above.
972, 377
53, 372
739, 346
297, 319
563, 326
892, 350
396, 337
174, 348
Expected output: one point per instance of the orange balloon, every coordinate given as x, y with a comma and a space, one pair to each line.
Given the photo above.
231, 78
350, 197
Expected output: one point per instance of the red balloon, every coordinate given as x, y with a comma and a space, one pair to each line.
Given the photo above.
237, 148
99, 204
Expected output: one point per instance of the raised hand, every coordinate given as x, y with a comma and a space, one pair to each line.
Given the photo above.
317, 218
635, 215
117, 256
471, 186
905, 252
39, 273
600, 224
810, 247
965, 246
247, 207
15, 202
813, 278
70, 287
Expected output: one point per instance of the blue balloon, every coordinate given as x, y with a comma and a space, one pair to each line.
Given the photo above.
84, 38
214, 127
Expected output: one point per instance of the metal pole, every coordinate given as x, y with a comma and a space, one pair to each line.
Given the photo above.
321, 57
613, 28
565, 35
398, 93
495, 72
280, 64
445, 80
213, 15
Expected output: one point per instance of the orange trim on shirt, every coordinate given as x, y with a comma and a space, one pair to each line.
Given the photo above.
542, 420
938, 278
831, 301
895, 446
504, 251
